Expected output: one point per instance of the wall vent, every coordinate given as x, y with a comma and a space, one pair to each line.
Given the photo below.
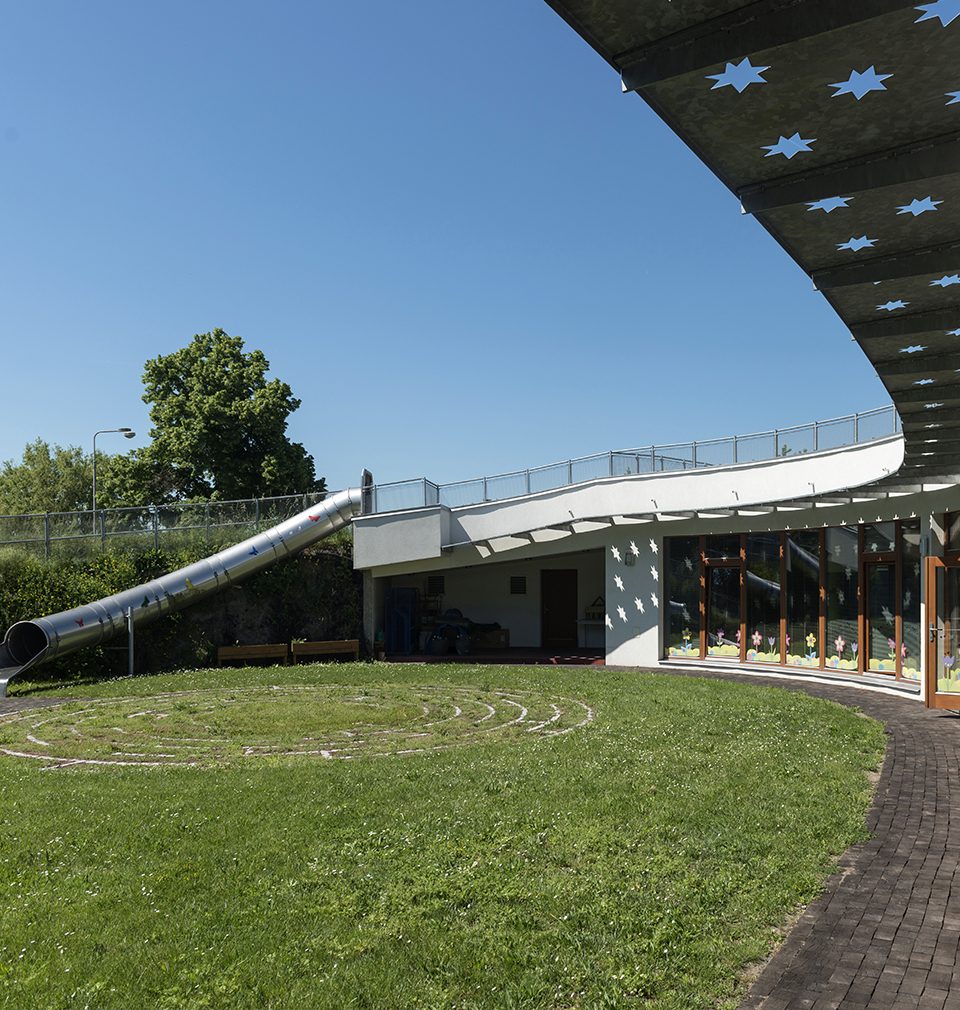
435, 585
518, 585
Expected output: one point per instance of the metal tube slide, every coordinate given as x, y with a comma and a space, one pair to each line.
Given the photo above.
29, 643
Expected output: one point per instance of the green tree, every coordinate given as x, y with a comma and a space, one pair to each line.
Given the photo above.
219, 429
47, 479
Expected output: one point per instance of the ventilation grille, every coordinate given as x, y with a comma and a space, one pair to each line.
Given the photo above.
518, 585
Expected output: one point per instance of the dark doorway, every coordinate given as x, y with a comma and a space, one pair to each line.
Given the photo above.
558, 608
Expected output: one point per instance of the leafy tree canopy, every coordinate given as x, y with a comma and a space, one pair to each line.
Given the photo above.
219, 429
47, 479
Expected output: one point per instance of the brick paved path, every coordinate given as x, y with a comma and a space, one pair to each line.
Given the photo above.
885, 932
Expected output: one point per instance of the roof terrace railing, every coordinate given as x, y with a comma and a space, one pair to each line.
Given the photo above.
851, 429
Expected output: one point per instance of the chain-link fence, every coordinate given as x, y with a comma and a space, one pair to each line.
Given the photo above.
207, 524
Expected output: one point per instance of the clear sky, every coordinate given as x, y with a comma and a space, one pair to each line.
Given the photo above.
441, 221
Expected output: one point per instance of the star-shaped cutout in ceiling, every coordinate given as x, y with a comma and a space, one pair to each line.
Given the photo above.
789, 146
917, 207
954, 97
634, 549
622, 614
953, 333
860, 84
653, 546
829, 203
639, 604
923, 382
615, 552
607, 621
946, 11
618, 582
654, 574
738, 75
945, 281
912, 349
856, 244
654, 599
893, 306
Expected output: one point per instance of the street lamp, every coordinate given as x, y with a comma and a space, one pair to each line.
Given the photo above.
127, 433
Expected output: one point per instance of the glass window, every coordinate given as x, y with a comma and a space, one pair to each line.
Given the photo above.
683, 593
878, 538
910, 600
843, 640
953, 531
803, 598
763, 598
880, 578
724, 548
723, 608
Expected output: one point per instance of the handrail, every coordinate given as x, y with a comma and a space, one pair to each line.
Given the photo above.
815, 436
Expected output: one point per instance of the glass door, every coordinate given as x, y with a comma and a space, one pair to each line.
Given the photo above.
880, 578
723, 611
943, 634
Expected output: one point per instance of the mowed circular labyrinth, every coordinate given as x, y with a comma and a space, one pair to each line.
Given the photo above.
325, 721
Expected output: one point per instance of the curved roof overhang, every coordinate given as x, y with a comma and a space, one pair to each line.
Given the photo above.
837, 125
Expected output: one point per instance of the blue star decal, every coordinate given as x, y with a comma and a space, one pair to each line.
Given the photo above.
790, 146
829, 203
954, 97
856, 244
946, 10
893, 306
945, 281
912, 349
738, 75
860, 84
917, 207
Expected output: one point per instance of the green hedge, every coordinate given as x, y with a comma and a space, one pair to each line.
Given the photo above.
315, 595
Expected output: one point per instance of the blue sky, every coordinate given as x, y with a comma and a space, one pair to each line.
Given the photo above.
442, 222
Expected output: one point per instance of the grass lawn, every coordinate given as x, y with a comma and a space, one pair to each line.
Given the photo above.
645, 858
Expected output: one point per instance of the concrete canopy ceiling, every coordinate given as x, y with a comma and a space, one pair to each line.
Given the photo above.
838, 126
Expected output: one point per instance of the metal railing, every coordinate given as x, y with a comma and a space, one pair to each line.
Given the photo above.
210, 524
834, 433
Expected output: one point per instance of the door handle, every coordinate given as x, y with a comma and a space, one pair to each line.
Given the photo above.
933, 632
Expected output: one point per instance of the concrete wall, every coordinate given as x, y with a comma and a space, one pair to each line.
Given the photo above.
482, 592
634, 595
390, 539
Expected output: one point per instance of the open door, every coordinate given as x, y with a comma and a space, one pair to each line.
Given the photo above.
943, 633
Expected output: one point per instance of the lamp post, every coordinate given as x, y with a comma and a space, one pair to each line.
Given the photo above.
127, 433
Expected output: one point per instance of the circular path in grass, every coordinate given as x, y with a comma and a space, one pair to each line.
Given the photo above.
327, 721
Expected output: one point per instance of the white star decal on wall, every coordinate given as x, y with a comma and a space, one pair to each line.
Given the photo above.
953, 333
618, 582
917, 207
789, 146
654, 574
829, 204
654, 547
654, 600
856, 244
946, 281
860, 84
607, 621
639, 604
946, 11
738, 75
892, 306
622, 614
634, 549
616, 553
